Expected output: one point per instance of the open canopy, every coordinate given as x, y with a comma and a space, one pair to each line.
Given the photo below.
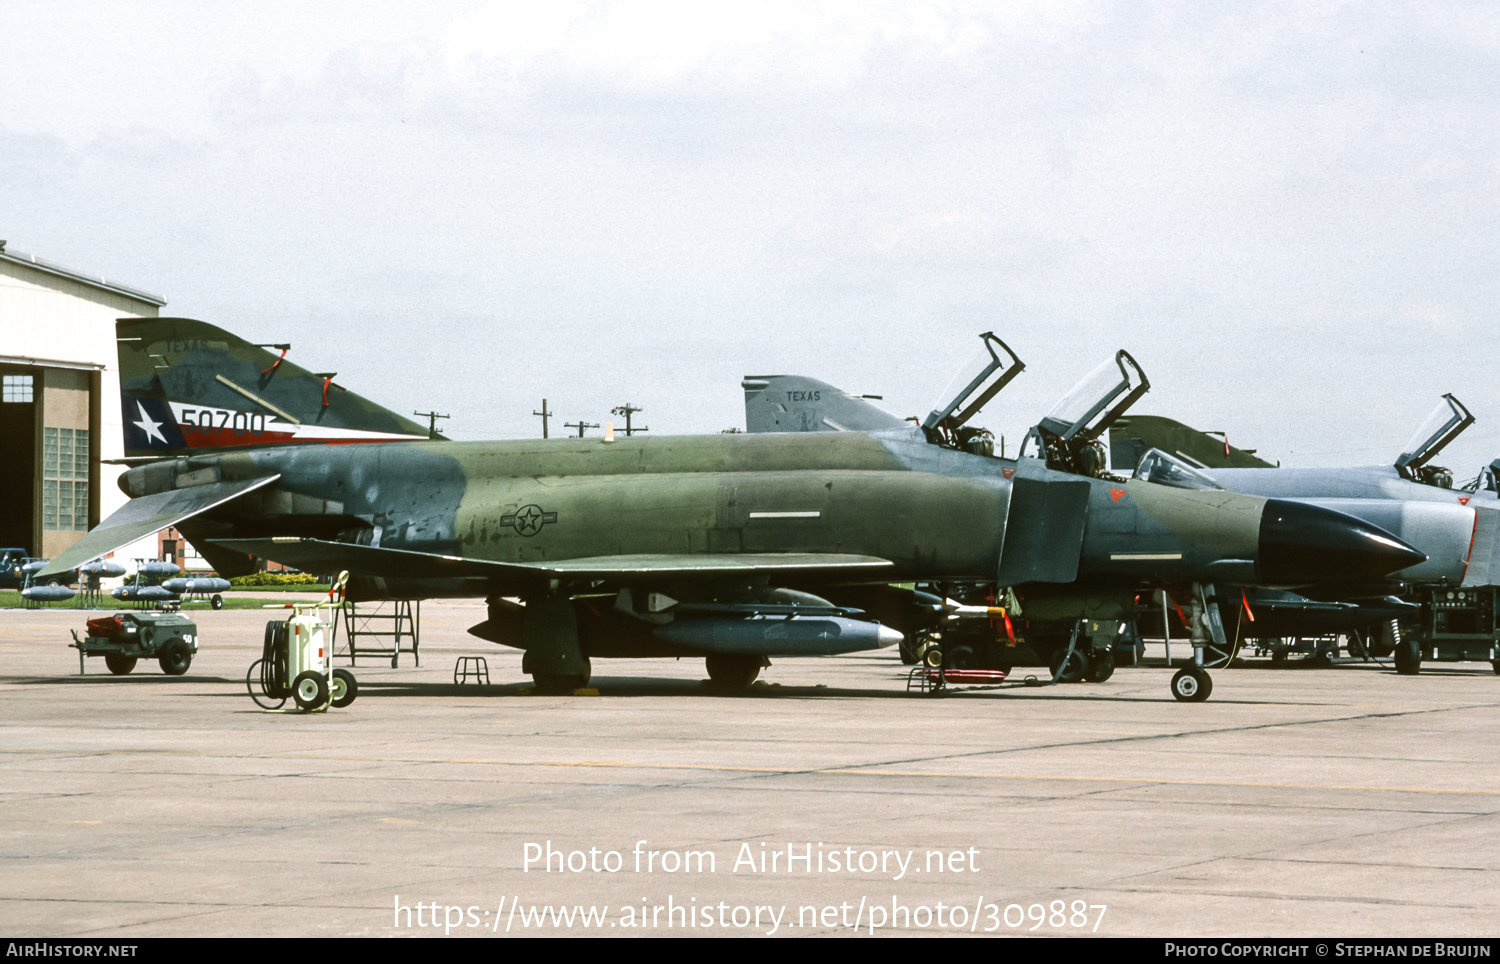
1083, 410
988, 371
1444, 425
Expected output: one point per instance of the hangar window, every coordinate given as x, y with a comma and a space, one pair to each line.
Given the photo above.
65, 479
15, 388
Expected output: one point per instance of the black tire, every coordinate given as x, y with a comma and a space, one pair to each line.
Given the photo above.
1495, 663
118, 664
1192, 685
1356, 646
217, 602
558, 684
1278, 657
175, 658
343, 688
908, 650
961, 657
1408, 656
1078, 665
310, 690
733, 672
1101, 667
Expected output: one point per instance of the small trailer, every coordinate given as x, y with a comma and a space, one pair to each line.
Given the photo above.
168, 637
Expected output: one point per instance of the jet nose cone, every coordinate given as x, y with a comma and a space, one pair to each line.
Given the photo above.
886, 636
1303, 545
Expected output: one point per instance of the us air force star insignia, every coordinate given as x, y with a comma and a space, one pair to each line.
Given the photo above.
528, 520
151, 428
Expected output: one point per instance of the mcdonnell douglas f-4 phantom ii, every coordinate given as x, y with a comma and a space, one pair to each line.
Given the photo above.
1448, 607
731, 547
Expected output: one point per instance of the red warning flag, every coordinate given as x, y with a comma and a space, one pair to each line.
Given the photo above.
277, 363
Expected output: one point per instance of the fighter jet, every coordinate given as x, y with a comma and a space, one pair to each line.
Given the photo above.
722, 546
1447, 605
1066, 440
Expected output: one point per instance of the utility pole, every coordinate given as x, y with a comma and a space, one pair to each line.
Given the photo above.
580, 425
627, 410
545, 415
431, 417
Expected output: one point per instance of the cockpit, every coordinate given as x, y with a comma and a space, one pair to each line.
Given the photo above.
1444, 425
1068, 436
1163, 469
991, 369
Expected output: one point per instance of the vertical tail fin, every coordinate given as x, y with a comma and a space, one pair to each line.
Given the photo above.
794, 403
188, 387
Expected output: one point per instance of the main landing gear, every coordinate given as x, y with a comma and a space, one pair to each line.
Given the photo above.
549, 629
734, 672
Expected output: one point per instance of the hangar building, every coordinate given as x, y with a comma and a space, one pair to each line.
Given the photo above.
59, 400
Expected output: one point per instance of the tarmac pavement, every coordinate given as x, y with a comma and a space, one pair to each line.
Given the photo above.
1296, 802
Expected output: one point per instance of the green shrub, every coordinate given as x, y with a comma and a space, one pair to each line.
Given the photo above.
276, 579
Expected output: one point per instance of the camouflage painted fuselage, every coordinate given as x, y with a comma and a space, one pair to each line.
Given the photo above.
934, 513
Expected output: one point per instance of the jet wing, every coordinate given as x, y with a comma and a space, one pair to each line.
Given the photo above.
321, 555
148, 514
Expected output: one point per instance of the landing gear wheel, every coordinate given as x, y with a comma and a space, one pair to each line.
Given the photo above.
1101, 668
732, 672
175, 658
961, 657
908, 652
1077, 669
932, 656
310, 690
1192, 685
1408, 657
558, 684
1496, 664
1355, 646
1278, 657
343, 688
119, 665
217, 602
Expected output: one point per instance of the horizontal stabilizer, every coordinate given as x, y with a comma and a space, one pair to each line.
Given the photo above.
320, 555
146, 515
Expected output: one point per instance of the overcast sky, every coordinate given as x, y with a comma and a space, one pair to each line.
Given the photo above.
1287, 212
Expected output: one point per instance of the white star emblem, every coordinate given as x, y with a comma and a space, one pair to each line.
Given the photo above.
148, 426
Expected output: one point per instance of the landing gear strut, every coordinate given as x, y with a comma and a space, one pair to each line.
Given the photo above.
1192, 684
